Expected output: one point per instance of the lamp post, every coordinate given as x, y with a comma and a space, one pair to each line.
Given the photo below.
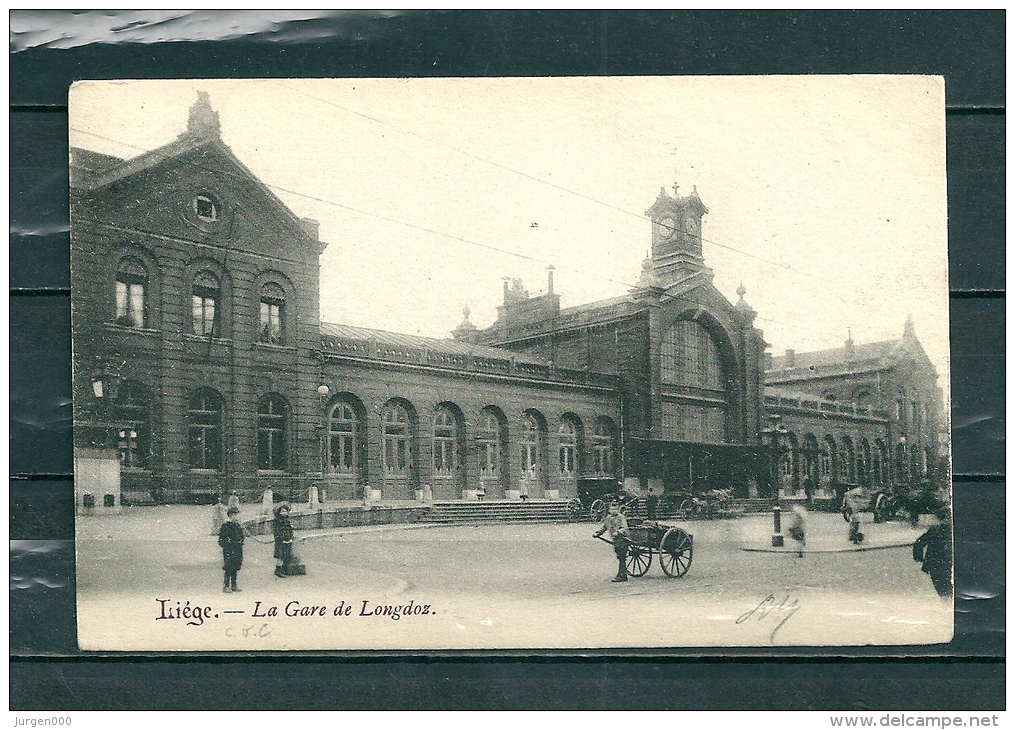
771, 437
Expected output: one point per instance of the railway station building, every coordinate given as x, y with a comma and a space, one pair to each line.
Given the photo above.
202, 366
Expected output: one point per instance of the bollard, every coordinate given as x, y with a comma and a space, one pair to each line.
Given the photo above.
777, 539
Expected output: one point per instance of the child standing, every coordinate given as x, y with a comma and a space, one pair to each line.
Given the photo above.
231, 542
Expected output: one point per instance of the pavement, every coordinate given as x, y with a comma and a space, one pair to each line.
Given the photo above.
497, 586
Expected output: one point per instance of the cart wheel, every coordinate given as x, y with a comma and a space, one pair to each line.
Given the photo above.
638, 560
598, 510
574, 510
675, 552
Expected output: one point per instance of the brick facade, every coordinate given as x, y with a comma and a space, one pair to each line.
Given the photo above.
200, 358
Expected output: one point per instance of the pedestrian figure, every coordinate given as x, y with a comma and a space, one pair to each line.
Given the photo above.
267, 501
231, 542
651, 503
934, 550
855, 500
798, 528
234, 500
218, 515
616, 525
809, 491
283, 530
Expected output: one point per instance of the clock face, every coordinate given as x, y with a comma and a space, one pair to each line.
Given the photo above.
667, 227
690, 225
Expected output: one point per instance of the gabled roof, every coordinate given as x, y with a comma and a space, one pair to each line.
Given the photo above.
866, 357
839, 355
96, 170
415, 342
85, 164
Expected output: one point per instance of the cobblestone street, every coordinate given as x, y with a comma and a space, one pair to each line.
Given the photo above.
502, 586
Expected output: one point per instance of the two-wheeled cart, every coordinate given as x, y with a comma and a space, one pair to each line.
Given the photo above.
673, 545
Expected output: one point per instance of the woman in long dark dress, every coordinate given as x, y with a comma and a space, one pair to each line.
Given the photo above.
283, 530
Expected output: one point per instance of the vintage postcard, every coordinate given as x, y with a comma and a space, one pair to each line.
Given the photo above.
517, 363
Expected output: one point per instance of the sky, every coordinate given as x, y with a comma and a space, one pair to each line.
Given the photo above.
826, 194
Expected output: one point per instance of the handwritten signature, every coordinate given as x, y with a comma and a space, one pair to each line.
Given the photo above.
770, 606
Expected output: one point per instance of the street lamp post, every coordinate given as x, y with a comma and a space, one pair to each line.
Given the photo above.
771, 437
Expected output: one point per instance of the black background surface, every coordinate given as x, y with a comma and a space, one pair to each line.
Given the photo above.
967, 48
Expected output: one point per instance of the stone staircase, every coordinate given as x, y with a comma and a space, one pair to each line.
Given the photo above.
498, 510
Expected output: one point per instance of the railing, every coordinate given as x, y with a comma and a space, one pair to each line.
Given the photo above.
370, 349
822, 406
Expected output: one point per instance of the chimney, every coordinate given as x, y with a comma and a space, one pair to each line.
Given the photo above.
312, 228
506, 280
767, 361
549, 279
909, 331
790, 358
850, 348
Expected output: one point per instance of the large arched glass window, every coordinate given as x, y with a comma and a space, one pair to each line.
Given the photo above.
205, 297
690, 357
567, 449
446, 430
602, 448
396, 439
132, 416
131, 291
204, 430
272, 418
343, 439
272, 314
691, 369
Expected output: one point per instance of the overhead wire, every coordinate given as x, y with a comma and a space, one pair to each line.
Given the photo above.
486, 246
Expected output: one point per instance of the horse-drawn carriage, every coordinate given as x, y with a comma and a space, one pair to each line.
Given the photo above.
594, 502
673, 545
898, 502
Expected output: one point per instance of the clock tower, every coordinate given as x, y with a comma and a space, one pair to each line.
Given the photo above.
676, 234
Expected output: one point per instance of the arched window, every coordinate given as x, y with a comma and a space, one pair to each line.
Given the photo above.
691, 362
863, 462
272, 327
272, 417
901, 467
863, 399
205, 304
786, 464
830, 465
848, 470
530, 447
567, 448
878, 460
343, 439
396, 439
204, 430
602, 449
446, 436
131, 290
827, 454
132, 416
491, 439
